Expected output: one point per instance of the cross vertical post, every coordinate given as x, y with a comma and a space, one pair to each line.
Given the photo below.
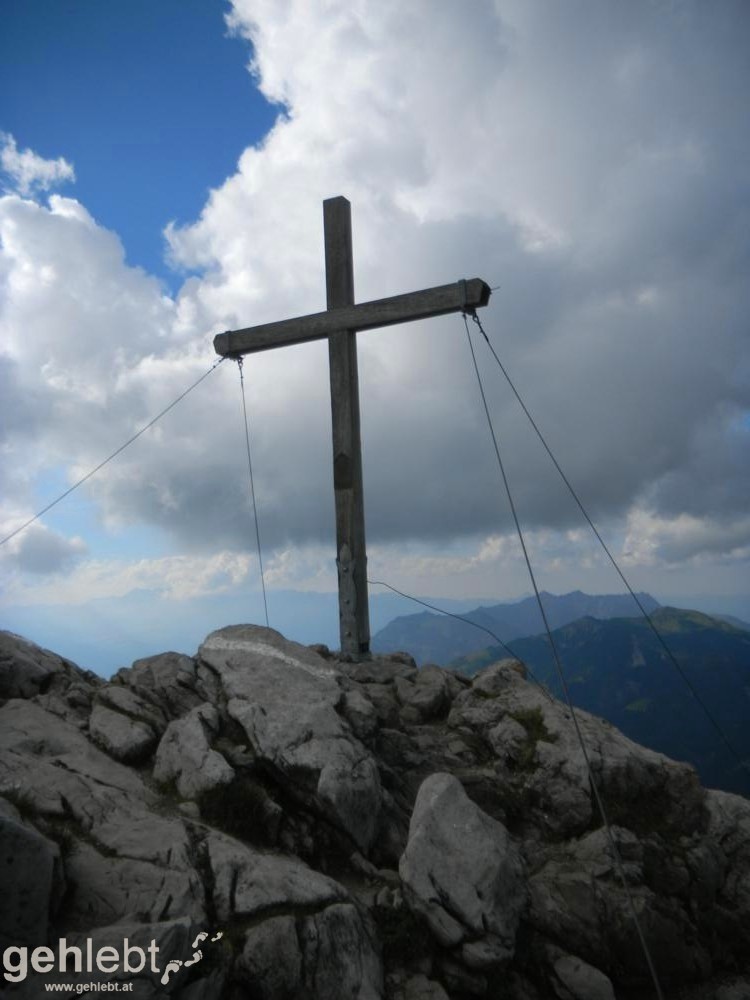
339, 325
351, 556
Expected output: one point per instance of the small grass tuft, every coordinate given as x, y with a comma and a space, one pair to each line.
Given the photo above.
532, 721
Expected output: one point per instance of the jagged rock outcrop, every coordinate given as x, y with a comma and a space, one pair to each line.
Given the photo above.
294, 727
275, 822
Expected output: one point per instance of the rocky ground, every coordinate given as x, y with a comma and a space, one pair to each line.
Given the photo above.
350, 830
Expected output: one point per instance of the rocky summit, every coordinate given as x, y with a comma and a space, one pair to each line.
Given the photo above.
268, 821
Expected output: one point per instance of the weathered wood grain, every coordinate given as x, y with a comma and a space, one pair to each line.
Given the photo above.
351, 555
439, 301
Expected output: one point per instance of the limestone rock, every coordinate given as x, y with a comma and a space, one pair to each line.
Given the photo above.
477, 790
361, 715
383, 699
729, 825
55, 764
185, 756
25, 668
566, 905
247, 882
463, 873
99, 809
499, 677
576, 980
171, 682
128, 702
650, 789
428, 695
507, 738
316, 945
285, 696
106, 889
123, 738
271, 961
577, 900
30, 672
346, 964
323, 955
381, 670
32, 884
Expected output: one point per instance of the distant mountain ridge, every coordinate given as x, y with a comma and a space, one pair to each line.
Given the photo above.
617, 669
733, 620
435, 638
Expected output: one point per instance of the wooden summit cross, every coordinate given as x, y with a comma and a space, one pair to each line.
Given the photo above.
340, 324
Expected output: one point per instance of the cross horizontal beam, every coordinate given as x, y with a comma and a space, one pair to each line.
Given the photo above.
457, 297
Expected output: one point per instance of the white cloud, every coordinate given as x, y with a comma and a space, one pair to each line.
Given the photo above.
653, 540
171, 577
576, 160
30, 172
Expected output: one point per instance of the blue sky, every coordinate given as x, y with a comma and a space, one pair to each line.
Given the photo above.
589, 161
150, 128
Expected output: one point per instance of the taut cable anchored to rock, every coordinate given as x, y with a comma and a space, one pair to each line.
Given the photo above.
579, 735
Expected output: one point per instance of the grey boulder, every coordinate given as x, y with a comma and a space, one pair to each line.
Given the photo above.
128, 740
463, 873
185, 757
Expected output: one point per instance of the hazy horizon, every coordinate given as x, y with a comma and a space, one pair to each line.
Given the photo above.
100, 636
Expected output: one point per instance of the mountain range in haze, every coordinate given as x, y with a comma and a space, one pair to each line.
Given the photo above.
616, 667
434, 638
